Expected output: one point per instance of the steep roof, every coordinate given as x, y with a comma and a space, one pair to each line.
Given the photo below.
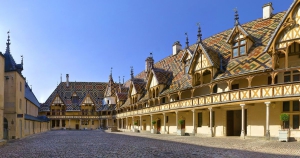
10, 64
94, 89
260, 31
30, 95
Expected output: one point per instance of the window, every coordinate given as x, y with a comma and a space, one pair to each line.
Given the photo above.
92, 122
57, 123
200, 119
235, 86
20, 104
295, 121
20, 86
287, 124
186, 69
286, 106
239, 46
63, 123
292, 76
296, 105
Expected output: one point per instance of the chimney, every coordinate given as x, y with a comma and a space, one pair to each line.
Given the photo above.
267, 10
176, 47
67, 81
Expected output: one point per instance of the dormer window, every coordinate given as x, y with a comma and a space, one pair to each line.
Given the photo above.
239, 46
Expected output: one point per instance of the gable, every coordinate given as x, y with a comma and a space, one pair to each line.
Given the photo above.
287, 30
57, 100
133, 91
87, 100
154, 82
291, 30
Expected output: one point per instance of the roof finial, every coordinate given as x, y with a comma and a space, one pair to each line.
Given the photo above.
110, 76
131, 72
236, 17
199, 33
187, 40
22, 60
151, 55
8, 43
60, 77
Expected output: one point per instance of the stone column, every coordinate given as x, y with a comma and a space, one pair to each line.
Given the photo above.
267, 120
210, 121
140, 123
118, 124
60, 123
69, 123
122, 124
243, 121
151, 123
165, 131
126, 123
176, 121
193, 111
79, 123
133, 124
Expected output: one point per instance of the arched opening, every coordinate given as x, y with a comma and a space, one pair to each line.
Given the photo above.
206, 76
293, 54
239, 83
186, 94
261, 80
201, 91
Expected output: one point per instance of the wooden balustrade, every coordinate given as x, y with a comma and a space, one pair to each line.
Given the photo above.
270, 91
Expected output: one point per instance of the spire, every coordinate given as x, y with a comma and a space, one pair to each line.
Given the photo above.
110, 76
8, 43
119, 80
131, 72
236, 17
199, 35
60, 77
22, 60
187, 40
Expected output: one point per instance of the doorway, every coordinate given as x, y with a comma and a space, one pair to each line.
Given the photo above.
77, 126
158, 126
5, 128
234, 122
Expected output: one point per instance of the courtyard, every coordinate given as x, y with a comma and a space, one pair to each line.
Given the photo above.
97, 143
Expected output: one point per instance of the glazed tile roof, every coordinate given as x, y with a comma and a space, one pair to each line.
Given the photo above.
122, 96
96, 91
162, 76
219, 52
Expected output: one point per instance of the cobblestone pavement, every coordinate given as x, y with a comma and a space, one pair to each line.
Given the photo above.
125, 144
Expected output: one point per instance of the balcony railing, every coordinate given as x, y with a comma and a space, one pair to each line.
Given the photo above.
246, 94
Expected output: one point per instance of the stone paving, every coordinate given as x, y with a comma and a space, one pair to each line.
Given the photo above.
96, 143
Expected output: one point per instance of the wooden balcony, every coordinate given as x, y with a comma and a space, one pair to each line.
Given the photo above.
78, 117
247, 94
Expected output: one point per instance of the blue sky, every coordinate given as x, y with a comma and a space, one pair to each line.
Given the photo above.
86, 38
